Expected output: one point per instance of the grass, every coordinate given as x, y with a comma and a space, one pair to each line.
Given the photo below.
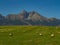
29, 35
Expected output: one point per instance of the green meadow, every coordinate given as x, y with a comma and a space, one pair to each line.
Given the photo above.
29, 35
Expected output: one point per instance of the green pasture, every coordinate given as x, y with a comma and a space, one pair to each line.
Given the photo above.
29, 35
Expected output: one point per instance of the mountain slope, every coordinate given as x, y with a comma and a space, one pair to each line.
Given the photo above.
28, 18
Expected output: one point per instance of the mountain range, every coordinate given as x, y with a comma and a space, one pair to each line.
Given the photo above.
28, 18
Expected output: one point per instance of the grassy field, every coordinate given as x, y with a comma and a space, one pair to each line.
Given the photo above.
29, 35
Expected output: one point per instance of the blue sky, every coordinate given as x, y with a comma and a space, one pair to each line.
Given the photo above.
47, 8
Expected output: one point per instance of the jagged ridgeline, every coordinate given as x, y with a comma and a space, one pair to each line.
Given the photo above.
28, 18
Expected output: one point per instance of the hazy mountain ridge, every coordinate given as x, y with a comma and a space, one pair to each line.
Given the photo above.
28, 18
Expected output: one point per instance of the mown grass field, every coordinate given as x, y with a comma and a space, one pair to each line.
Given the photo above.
29, 35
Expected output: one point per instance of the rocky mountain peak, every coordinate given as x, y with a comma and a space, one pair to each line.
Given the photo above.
23, 11
28, 18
